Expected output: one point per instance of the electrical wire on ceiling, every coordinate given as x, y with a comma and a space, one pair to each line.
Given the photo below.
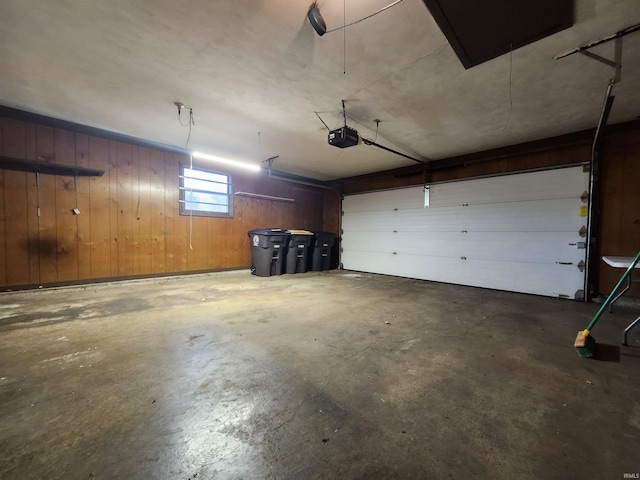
190, 122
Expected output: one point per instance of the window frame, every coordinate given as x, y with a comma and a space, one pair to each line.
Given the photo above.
203, 213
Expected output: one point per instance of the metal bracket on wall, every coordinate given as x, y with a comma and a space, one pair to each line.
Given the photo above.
9, 163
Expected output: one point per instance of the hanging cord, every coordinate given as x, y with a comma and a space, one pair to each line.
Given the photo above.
377, 126
510, 86
191, 210
191, 122
365, 18
344, 37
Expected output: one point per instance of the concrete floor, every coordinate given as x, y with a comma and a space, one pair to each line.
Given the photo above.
318, 375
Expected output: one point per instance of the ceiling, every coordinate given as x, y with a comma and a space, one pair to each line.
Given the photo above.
255, 72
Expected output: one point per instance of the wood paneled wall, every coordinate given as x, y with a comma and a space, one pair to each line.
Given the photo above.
129, 223
620, 205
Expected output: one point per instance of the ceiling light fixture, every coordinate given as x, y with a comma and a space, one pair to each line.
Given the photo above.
226, 161
316, 20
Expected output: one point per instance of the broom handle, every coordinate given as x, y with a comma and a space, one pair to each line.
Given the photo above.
610, 297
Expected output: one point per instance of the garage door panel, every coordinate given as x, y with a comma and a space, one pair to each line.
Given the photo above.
512, 246
508, 239
550, 184
539, 215
546, 279
401, 198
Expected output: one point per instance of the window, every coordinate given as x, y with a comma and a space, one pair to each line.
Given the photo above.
205, 193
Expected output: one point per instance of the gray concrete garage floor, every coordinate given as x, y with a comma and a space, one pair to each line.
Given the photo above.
321, 375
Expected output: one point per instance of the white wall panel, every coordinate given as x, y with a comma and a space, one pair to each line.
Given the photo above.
518, 232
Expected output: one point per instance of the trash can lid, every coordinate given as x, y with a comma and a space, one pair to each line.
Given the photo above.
300, 232
268, 231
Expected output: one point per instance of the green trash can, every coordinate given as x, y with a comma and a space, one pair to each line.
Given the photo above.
298, 251
268, 250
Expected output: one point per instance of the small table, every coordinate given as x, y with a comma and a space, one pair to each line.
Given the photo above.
622, 262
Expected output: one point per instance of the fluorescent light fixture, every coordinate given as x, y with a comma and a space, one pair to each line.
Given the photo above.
233, 163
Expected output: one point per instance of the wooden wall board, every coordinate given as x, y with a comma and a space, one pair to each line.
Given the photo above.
99, 211
157, 211
243, 206
170, 199
15, 205
629, 232
113, 209
198, 246
180, 222
331, 212
125, 213
143, 210
135, 202
65, 201
83, 204
17, 244
3, 246
32, 208
47, 225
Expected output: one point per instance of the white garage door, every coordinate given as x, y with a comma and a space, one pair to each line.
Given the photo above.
518, 233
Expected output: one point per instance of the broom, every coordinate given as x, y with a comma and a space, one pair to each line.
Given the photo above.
585, 344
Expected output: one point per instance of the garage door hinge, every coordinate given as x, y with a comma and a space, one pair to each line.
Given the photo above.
581, 266
582, 245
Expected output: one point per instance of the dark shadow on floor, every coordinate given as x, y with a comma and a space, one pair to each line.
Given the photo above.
607, 353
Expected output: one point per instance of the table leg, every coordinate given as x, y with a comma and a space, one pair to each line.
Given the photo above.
626, 330
627, 286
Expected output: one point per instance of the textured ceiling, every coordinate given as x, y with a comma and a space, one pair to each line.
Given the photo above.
255, 72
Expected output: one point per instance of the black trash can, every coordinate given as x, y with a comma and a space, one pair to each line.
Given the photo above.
268, 247
298, 251
321, 251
